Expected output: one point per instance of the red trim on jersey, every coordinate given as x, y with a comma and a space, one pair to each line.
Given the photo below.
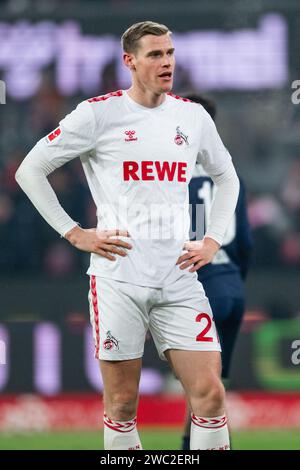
177, 97
96, 313
209, 423
126, 426
105, 97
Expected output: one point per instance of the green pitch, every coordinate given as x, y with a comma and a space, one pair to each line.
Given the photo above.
152, 439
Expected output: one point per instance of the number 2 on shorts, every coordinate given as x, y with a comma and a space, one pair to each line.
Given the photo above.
201, 336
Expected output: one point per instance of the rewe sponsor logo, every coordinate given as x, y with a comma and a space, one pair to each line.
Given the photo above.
150, 171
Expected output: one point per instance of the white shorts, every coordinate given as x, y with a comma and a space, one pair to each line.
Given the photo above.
178, 316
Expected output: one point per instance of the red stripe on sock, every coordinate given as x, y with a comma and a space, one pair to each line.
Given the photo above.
209, 423
117, 429
119, 426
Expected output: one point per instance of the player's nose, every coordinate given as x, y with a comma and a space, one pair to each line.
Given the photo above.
166, 61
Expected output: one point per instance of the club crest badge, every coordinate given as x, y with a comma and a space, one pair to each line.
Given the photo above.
110, 342
180, 137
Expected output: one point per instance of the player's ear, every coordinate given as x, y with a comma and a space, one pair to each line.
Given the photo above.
129, 60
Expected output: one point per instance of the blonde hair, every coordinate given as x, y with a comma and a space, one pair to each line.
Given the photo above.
132, 35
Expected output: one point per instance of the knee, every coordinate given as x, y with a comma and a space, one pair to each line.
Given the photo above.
208, 399
121, 405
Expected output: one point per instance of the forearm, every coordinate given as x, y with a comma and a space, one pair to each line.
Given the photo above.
224, 204
32, 177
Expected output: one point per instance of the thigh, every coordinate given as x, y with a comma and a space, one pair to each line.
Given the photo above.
120, 377
195, 368
118, 318
183, 319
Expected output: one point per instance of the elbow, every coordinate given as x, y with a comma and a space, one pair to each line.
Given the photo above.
237, 180
237, 183
231, 179
19, 175
234, 187
228, 178
232, 176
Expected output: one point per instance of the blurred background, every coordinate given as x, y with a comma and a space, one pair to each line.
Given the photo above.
54, 54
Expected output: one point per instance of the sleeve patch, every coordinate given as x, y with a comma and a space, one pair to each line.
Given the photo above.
50, 137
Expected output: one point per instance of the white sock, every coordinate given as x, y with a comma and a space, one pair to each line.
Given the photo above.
209, 433
121, 435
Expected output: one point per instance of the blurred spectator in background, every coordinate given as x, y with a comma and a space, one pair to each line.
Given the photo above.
269, 222
47, 98
223, 279
290, 195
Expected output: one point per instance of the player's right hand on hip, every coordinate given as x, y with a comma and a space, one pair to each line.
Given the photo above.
101, 242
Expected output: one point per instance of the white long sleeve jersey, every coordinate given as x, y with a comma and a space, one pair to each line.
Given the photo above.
138, 162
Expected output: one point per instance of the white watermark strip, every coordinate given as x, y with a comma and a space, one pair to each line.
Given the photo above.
296, 354
2, 353
295, 97
2, 92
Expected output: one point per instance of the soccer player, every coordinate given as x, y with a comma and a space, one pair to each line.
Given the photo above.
138, 148
223, 279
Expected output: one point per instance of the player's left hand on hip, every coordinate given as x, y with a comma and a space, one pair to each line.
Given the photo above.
198, 254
